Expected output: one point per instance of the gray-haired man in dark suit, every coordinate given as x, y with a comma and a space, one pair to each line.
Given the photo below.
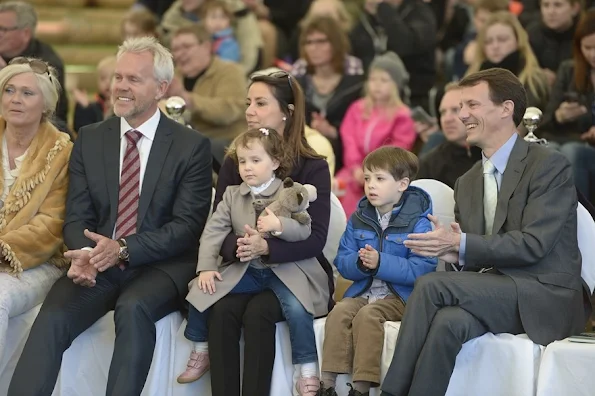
515, 236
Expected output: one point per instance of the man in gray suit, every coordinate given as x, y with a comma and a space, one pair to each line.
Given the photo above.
515, 236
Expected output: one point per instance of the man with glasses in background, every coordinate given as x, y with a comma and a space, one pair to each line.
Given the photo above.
18, 21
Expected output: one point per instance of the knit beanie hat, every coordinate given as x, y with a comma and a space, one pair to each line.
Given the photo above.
394, 66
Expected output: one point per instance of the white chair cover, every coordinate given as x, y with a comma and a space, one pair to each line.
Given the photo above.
443, 203
85, 364
18, 331
566, 367
496, 365
337, 225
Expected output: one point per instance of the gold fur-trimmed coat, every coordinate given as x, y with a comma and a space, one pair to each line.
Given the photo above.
33, 213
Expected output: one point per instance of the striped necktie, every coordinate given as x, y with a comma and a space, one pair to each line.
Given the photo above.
129, 187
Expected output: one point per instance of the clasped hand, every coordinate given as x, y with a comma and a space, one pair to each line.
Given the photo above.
85, 264
252, 245
442, 242
369, 257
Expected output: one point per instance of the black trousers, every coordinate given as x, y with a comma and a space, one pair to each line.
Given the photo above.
445, 310
257, 315
139, 298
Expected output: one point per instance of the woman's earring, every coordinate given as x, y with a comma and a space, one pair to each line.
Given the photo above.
284, 118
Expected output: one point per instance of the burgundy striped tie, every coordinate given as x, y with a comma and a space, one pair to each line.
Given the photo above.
129, 188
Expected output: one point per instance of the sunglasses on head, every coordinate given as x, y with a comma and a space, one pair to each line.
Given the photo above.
281, 74
38, 66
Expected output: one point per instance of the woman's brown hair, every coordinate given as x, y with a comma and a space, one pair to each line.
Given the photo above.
335, 35
271, 141
290, 96
586, 27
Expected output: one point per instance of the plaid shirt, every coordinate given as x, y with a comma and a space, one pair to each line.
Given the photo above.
353, 67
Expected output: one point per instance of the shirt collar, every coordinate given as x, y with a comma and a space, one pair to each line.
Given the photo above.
148, 128
501, 156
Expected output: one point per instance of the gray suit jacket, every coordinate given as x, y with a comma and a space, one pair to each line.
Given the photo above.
534, 239
173, 205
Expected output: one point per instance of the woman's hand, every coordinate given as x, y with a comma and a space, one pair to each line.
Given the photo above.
252, 245
358, 175
569, 111
320, 123
206, 281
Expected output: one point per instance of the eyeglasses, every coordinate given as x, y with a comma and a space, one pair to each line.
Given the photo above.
316, 42
8, 29
38, 66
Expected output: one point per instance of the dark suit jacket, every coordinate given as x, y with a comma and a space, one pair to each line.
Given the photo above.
534, 238
174, 201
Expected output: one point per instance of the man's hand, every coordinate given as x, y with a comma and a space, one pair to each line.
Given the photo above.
176, 88
358, 175
81, 271
80, 96
252, 245
105, 254
442, 242
369, 257
206, 281
589, 136
269, 223
424, 130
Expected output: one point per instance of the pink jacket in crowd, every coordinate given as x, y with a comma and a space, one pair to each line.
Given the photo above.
361, 136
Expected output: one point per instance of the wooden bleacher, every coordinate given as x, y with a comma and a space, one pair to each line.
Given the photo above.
82, 32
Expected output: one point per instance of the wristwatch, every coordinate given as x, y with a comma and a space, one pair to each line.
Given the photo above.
123, 255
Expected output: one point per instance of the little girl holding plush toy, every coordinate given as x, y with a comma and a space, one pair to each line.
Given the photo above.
276, 209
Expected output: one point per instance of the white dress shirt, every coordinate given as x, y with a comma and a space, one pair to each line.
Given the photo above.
148, 130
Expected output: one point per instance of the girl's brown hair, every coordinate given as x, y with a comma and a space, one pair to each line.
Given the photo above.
335, 35
290, 96
586, 27
271, 141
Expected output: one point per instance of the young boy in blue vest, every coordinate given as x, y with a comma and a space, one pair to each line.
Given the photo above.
383, 270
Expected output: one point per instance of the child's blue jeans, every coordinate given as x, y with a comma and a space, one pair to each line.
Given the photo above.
300, 321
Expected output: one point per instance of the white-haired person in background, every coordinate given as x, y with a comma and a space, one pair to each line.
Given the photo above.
33, 186
133, 250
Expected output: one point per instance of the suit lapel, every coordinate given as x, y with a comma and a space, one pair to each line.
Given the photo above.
475, 202
159, 150
510, 180
111, 157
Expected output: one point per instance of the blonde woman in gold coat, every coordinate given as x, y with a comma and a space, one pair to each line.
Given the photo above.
33, 183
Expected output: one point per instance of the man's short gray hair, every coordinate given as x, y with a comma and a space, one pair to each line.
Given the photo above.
26, 15
163, 64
